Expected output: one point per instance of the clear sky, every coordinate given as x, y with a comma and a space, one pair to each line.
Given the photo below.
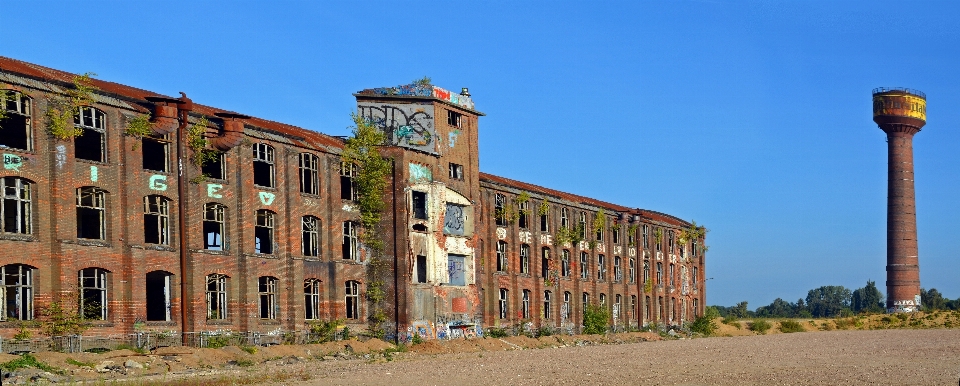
751, 117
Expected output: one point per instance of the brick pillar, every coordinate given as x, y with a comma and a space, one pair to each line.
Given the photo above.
903, 269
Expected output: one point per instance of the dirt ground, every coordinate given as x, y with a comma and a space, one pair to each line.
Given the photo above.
852, 357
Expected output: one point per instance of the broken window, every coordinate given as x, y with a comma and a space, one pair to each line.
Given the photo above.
584, 268
213, 226
454, 220
546, 305
565, 308
670, 241
601, 268
696, 275
563, 218
421, 269
615, 233
216, 296
545, 262
454, 118
585, 302
309, 173
660, 307
525, 259
646, 242
617, 304
633, 270
267, 289
499, 210
696, 308
617, 271
311, 299
348, 185
631, 239
350, 243
522, 212
91, 144
659, 273
603, 300
646, 271
565, 263
215, 167
583, 225
693, 248
456, 171
15, 205
263, 165
525, 305
659, 239
672, 276
682, 249
310, 241
502, 303
16, 299
599, 230
455, 269
156, 220
501, 256
93, 293
155, 150
353, 299
419, 205
263, 232
158, 288
15, 126
544, 223
633, 306
90, 213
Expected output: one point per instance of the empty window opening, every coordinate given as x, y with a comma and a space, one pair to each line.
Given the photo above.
421, 269
263, 165
631, 239
696, 277
525, 259
545, 262
263, 232
16, 299
646, 242
93, 293
310, 240
659, 239
615, 233
585, 302
659, 273
546, 305
603, 301
670, 241
351, 248
565, 263
617, 270
682, 249
617, 306
584, 268
15, 205
311, 299
544, 223
696, 308
633, 270
156, 151
213, 226
565, 308
158, 288
216, 296
215, 167
646, 271
348, 185
419, 227
455, 269
564, 221
353, 299
419, 205
454, 220
91, 144
600, 229
156, 220
693, 248
501, 256
499, 210
525, 305
309, 173
454, 118
456, 171
601, 268
502, 304
583, 225
15, 126
522, 214
672, 276
267, 289
90, 213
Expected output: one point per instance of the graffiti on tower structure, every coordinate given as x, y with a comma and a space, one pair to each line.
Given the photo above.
453, 220
406, 125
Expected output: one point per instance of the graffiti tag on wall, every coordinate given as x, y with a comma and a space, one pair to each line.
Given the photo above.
12, 162
420, 173
453, 220
427, 90
406, 125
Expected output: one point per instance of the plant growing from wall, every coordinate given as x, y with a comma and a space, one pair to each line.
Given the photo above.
658, 236
569, 235
648, 286
371, 181
138, 127
197, 142
632, 230
544, 207
595, 319
425, 81
62, 109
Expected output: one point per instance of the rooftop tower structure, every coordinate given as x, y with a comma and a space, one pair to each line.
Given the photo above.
901, 113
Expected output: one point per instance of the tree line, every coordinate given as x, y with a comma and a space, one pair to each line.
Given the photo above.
833, 301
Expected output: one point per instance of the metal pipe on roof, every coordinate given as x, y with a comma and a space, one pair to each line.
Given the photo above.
232, 131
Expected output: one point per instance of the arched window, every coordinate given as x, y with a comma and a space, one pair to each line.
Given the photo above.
16, 299
646, 272
310, 240
617, 270
267, 289
603, 300
91, 144
16, 205
309, 173
504, 304
214, 221
263, 165
659, 274
565, 263
351, 241
502, 263
525, 259
348, 184
311, 299
525, 305
216, 296
15, 124
633, 270
565, 308
159, 290
585, 302
584, 266
93, 293
91, 208
156, 220
601, 268
353, 299
263, 232
546, 305
545, 262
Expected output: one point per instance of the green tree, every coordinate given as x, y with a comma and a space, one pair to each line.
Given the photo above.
932, 299
595, 319
828, 300
779, 308
740, 310
867, 299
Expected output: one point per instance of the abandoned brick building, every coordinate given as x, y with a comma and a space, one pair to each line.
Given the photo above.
264, 237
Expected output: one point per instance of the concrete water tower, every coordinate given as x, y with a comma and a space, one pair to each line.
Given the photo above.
901, 113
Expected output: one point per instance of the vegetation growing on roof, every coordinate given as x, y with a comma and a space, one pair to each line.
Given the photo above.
138, 127
198, 143
62, 109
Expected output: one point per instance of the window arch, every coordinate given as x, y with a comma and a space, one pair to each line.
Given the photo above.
309, 173
91, 143
310, 232
93, 293
16, 299
352, 300
15, 126
16, 205
217, 296
263, 232
156, 220
91, 213
263, 157
311, 299
214, 226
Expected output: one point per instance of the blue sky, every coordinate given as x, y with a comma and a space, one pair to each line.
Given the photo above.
751, 117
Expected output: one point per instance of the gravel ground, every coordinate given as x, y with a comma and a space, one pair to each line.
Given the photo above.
907, 357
